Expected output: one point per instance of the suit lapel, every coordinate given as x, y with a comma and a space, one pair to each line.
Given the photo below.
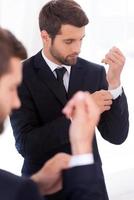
46, 76
76, 82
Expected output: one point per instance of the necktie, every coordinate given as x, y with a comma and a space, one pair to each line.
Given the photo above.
60, 73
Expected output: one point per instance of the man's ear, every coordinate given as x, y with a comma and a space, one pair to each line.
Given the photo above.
45, 36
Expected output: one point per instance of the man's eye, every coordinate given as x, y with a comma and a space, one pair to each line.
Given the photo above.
68, 41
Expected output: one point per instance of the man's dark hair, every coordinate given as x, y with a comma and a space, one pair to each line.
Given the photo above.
10, 47
61, 12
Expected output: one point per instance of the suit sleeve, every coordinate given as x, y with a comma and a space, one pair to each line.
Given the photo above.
13, 187
34, 139
84, 183
28, 190
114, 124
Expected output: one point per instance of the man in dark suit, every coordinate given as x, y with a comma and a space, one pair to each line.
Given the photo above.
86, 182
40, 128
48, 179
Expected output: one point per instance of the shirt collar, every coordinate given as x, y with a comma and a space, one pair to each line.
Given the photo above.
53, 66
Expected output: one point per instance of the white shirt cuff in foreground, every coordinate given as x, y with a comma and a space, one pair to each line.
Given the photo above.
82, 159
116, 92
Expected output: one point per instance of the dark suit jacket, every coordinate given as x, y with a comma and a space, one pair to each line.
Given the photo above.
86, 184
13, 187
39, 127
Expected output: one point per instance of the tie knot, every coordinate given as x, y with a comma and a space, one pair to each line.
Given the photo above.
60, 72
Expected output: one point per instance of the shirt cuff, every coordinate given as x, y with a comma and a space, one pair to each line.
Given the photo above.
116, 92
83, 159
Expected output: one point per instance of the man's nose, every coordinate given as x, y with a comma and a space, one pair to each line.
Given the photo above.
77, 47
17, 102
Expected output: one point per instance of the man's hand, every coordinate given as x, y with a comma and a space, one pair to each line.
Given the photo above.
116, 60
49, 178
103, 99
85, 115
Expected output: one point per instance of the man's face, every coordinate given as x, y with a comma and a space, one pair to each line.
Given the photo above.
8, 89
65, 47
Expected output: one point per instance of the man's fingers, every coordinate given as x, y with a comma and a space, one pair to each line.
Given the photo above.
68, 109
61, 161
93, 110
117, 57
114, 56
78, 101
118, 51
108, 102
57, 163
107, 95
104, 94
107, 108
81, 104
104, 108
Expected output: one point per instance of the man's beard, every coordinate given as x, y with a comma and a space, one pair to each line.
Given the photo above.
1, 127
68, 60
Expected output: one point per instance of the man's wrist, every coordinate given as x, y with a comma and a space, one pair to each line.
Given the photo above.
81, 148
114, 85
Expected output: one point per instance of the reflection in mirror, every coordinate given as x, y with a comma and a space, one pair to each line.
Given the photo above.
111, 24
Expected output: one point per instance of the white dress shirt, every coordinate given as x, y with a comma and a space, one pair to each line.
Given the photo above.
82, 159
53, 66
116, 92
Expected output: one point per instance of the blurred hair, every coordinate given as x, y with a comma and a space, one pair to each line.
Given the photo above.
10, 47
